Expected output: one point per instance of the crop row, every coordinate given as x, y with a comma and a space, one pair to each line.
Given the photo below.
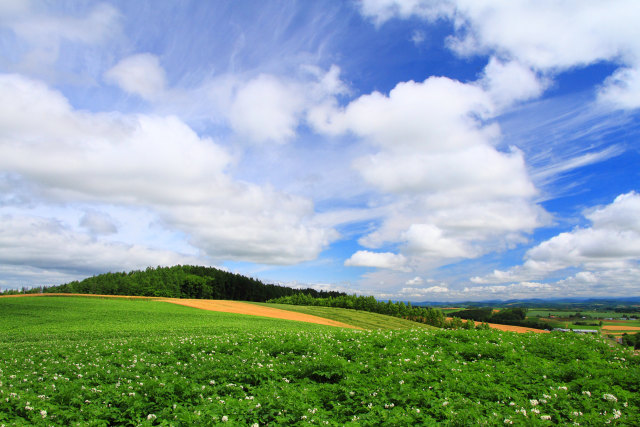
319, 377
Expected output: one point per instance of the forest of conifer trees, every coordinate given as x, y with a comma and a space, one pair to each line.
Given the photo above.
181, 281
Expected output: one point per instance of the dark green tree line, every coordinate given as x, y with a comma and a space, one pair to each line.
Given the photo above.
427, 315
182, 281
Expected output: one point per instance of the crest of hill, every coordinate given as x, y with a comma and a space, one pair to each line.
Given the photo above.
182, 281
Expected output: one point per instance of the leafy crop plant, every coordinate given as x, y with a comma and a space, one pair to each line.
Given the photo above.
179, 366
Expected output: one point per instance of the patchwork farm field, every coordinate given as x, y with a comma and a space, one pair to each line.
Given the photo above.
67, 360
606, 322
541, 312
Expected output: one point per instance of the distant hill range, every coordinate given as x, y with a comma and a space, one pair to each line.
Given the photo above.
538, 302
182, 281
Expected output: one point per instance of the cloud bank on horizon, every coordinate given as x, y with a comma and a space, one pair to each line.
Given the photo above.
421, 150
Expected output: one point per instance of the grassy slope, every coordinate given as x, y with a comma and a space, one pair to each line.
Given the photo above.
130, 316
36, 318
361, 319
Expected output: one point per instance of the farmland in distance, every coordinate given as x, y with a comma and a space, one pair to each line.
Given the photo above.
67, 360
361, 319
606, 322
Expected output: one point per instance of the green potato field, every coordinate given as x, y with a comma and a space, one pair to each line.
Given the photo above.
89, 361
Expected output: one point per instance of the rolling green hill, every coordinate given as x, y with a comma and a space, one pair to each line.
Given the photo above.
75, 318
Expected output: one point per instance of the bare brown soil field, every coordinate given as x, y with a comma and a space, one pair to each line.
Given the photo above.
620, 328
254, 310
510, 328
517, 328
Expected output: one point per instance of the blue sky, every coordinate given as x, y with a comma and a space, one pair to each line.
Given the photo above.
417, 150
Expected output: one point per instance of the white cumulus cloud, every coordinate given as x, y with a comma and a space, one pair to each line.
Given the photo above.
434, 154
414, 292
139, 74
547, 36
46, 244
622, 89
266, 109
612, 242
154, 162
269, 109
509, 82
386, 260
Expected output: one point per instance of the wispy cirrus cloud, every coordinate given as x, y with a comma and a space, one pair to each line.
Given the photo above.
41, 36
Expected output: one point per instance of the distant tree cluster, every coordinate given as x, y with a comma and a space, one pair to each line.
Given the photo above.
24, 290
516, 316
631, 340
628, 309
477, 314
181, 281
427, 315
